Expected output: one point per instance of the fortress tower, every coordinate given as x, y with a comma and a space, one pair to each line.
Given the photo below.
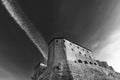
68, 61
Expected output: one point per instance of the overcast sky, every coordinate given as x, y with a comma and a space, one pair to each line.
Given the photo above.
95, 24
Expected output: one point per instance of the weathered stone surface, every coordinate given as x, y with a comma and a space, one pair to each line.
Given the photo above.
38, 70
68, 61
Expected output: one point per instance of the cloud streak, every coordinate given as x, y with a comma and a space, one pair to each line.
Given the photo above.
108, 48
13, 73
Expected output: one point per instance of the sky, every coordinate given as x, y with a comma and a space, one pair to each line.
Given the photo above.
94, 24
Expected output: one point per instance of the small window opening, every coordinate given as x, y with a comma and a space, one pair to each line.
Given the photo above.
75, 61
85, 62
80, 61
95, 64
91, 63
56, 40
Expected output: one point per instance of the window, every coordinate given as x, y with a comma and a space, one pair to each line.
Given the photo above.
80, 61
91, 63
85, 62
75, 61
95, 63
56, 40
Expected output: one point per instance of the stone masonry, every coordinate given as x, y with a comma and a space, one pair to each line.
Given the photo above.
68, 61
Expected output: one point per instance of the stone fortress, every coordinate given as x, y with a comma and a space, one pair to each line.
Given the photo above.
69, 61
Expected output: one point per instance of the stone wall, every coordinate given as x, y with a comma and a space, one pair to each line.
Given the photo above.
79, 54
38, 70
68, 61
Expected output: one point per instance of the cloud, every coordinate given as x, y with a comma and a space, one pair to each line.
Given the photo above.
107, 47
6, 74
111, 51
